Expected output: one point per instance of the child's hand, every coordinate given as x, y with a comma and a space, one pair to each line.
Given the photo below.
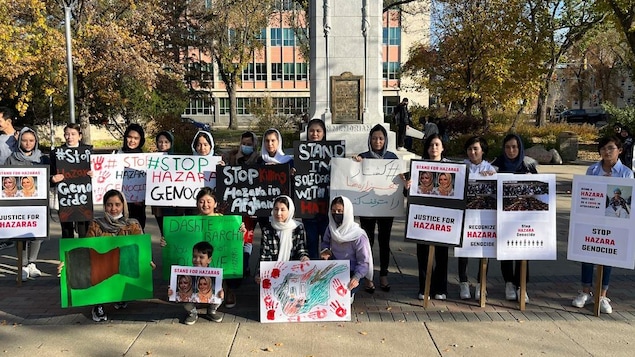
57, 178
242, 228
60, 267
162, 242
154, 266
357, 158
305, 258
221, 294
353, 283
89, 173
170, 292
326, 254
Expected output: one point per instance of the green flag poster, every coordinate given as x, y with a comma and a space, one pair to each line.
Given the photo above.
222, 232
105, 269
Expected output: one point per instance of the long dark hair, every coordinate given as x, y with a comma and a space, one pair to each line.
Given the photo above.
428, 143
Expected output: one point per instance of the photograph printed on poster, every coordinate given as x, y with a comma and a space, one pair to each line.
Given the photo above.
525, 196
481, 195
19, 186
618, 201
436, 183
434, 179
195, 284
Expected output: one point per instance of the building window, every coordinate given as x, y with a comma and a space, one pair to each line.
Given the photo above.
262, 37
276, 37
291, 106
391, 36
288, 36
248, 72
223, 107
261, 71
391, 70
242, 106
289, 71
200, 105
301, 71
276, 71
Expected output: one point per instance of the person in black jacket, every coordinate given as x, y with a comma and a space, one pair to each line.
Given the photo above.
403, 120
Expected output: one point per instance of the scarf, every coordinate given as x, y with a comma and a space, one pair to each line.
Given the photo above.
112, 225
34, 156
285, 232
12, 192
170, 138
210, 140
378, 155
280, 157
514, 165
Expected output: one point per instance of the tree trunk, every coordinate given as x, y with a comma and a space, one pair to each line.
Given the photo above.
512, 129
541, 111
485, 117
233, 121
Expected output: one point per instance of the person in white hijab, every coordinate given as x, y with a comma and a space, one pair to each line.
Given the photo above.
271, 149
283, 239
346, 240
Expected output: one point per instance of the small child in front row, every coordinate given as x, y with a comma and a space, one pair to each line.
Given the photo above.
201, 257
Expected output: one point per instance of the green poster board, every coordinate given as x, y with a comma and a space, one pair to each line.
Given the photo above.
222, 232
105, 269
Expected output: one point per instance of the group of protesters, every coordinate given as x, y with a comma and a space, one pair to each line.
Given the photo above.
334, 235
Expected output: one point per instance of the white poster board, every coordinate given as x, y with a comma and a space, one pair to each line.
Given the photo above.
123, 172
196, 284
310, 291
373, 185
174, 180
526, 217
24, 203
479, 230
601, 224
23, 222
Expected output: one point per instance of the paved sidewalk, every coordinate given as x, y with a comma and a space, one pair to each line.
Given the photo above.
32, 321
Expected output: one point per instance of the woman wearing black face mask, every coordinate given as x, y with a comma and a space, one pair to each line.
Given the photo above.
346, 240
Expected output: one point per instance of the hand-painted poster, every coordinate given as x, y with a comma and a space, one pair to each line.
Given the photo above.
123, 172
310, 291
24, 204
75, 192
222, 232
436, 202
105, 269
311, 181
526, 217
250, 190
174, 180
479, 229
196, 284
601, 226
374, 186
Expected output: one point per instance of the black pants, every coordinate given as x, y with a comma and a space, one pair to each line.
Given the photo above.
439, 282
401, 135
137, 210
68, 229
511, 275
384, 226
463, 270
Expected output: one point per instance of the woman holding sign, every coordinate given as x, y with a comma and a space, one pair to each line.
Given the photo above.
433, 151
28, 154
610, 165
513, 161
476, 148
133, 140
164, 142
378, 149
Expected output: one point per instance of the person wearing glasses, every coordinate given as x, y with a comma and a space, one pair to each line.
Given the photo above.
610, 165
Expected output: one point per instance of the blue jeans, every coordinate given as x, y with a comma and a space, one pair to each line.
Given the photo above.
587, 276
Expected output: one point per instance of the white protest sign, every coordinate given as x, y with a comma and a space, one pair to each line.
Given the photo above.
373, 185
310, 291
196, 284
122, 172
479, 230
23, 222
434, 224
526, 217
174, 180
601, 224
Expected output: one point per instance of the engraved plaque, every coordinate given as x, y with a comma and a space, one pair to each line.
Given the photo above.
347, 99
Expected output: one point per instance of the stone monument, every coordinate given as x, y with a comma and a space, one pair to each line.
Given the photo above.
346, 70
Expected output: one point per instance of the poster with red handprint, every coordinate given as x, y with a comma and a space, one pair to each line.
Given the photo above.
308, 291
123, 172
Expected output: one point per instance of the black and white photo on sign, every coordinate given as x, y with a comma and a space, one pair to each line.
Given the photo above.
525, 196
618, 201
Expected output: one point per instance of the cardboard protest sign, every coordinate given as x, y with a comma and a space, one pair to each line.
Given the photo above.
122, 172
308, 291
311, 181
436, 202
479, 229
601, 225
526, 217
250, 190
196, 284
24, 205
222, 232
174, 180
75, 192
105, 269
373, 185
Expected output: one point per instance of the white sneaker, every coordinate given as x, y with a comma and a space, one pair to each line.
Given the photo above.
465, 290
440, 297
518, 295
34, 272
25, 273
510, 292
477, 292
420, 296
582, 299
401, 148
605, 306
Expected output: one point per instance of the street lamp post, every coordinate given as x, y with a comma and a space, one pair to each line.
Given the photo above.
68, 7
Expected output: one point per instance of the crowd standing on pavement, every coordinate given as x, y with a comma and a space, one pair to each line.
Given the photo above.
332, 236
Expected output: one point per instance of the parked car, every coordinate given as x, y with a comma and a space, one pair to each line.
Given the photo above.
199, 125
583, 116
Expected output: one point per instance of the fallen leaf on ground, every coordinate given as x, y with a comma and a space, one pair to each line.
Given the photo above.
363, 333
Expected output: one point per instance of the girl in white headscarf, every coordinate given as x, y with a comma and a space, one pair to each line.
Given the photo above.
346, 240
283, 239
271, 150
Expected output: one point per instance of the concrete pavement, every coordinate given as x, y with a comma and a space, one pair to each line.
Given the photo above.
31, 320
